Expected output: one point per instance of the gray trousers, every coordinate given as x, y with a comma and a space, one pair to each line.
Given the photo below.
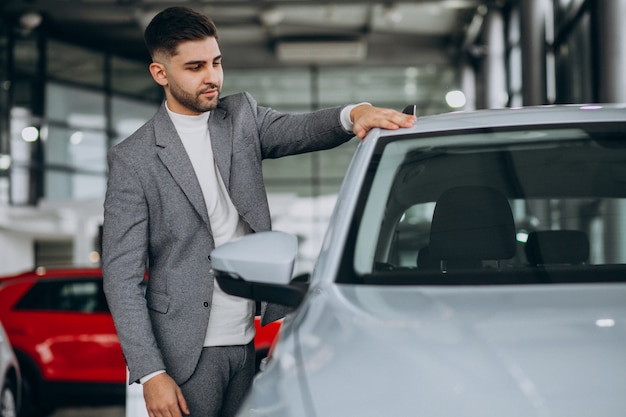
221, 381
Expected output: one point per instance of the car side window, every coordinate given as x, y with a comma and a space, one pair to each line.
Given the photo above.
86, 296
430, 206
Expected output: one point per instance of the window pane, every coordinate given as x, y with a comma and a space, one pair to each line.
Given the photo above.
79, 65
26, 56
128, 115
333, 163
67, 185
563, 205
388, 87
288, 90
75, 143
84, 296
133, 77
286, 170
77, 149
75, 106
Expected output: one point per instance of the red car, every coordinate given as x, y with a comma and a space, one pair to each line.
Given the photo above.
63, 335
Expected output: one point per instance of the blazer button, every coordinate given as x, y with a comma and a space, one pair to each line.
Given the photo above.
206, 303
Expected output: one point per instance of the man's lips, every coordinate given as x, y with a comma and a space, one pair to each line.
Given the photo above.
210, 93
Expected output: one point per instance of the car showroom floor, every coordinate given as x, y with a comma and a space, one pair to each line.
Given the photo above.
90, 412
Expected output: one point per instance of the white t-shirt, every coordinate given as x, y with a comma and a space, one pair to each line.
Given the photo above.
232, 318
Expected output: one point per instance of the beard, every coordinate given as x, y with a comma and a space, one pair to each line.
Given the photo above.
195, 102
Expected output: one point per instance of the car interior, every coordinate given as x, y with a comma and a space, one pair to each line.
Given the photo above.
529, 206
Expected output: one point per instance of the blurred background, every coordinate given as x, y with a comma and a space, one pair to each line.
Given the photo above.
74, 81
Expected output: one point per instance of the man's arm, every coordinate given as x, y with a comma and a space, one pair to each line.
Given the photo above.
125, 242
284, 134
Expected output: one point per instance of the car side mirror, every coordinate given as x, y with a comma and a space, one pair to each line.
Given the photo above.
259, 267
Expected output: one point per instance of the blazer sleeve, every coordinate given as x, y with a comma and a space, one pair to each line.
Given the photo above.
125, 247
282, 134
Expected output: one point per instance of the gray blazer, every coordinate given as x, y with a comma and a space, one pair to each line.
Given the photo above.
154, 214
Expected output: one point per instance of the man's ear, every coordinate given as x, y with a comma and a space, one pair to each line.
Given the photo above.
158, 73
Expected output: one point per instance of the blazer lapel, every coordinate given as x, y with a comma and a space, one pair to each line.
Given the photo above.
220, 129
174, 156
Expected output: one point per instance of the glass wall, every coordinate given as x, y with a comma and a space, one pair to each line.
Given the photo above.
66, 114
25, 113
62, 115
88, 101
91, 102
75, 143
5, 106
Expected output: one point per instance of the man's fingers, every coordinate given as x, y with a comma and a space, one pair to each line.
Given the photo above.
369, 117
361, 130
163, 397
182, 403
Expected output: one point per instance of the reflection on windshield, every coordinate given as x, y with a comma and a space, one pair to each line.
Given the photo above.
493, 207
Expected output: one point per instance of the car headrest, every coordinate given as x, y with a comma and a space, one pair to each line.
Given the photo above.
557, 247
472, 223
424, 261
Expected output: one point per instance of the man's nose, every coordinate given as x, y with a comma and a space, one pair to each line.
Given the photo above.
211, 75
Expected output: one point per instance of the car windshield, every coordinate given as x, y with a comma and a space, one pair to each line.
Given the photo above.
498, 206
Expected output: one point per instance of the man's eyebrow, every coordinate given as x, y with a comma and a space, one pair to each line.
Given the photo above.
202, 61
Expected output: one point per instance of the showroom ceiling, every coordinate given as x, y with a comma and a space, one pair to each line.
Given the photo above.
274, 33
401, 51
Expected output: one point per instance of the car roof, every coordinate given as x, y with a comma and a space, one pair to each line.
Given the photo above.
515, 116
53, 273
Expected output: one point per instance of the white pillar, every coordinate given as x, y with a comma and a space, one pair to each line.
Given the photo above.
495, 61
16, 252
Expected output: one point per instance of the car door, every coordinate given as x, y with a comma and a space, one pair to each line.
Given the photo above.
70, 331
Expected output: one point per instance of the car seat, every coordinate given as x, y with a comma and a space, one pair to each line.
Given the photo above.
552, 247
471, 224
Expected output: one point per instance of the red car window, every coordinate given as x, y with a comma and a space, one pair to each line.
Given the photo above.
83, 295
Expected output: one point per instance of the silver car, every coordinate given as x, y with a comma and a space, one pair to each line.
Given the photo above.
10, 381
475, 266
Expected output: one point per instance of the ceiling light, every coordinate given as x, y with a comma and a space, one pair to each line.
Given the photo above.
144, 17
321, 51
392, 14
457, 4
605, 322
5, 162
272, 17
30, 20
30, 134
76, 138
455, 99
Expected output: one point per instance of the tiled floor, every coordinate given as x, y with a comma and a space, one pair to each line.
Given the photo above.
91, 412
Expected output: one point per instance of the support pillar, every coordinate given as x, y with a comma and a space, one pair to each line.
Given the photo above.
532, 14
610, 45
495, 61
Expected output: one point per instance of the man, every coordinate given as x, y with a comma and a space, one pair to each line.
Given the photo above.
187, 181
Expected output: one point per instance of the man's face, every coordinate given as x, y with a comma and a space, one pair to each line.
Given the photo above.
193, 77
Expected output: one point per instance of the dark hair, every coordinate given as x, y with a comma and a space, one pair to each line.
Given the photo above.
175, 25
